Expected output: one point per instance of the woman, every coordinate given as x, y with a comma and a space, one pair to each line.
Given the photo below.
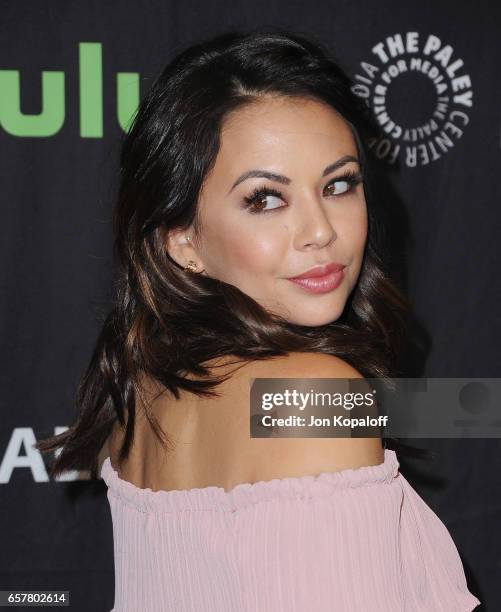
245, 168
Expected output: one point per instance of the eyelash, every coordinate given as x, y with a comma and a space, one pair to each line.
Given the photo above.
352, 177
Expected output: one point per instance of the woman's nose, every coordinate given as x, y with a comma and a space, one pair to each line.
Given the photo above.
315, 229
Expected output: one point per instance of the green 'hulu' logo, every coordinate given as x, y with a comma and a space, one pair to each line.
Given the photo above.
51, 119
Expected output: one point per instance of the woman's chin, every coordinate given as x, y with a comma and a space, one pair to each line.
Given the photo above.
313, 319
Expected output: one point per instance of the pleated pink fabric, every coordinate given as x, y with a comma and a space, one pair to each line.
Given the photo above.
357, 540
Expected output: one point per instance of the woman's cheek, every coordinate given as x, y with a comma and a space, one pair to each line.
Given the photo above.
358, 227
242, 255
261, 246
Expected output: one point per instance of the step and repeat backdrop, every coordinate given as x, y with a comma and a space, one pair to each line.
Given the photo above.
71, 76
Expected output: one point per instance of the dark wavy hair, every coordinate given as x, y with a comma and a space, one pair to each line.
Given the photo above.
165, 323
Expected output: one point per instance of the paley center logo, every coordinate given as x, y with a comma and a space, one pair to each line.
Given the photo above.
420, 94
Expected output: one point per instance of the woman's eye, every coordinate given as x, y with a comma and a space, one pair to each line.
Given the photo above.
257, 201
261, 202
342, 187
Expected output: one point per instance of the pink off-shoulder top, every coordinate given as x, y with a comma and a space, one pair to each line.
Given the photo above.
357, 540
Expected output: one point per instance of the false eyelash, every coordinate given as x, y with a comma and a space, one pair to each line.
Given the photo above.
352, 177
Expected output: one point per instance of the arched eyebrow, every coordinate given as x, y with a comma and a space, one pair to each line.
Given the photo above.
279, 178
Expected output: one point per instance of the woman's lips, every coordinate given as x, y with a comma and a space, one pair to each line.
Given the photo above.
320, 284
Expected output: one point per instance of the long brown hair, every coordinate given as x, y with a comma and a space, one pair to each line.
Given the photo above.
165, 323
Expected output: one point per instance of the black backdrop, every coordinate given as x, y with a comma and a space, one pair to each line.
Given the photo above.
70, 76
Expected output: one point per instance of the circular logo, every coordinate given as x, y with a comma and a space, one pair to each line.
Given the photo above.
420, 95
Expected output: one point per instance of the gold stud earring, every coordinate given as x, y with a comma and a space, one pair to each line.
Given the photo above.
191, 266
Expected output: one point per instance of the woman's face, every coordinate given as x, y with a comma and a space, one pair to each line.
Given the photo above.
312, 217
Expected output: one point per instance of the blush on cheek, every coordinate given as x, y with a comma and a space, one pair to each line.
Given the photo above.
233, 259
359, 229
255, 250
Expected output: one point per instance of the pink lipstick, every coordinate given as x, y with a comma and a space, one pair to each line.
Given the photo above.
320, 279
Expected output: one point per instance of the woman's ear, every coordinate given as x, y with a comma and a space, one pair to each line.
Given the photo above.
178, 243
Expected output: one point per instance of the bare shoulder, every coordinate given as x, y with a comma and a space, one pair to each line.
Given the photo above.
307, 365
293, 365
283, 457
